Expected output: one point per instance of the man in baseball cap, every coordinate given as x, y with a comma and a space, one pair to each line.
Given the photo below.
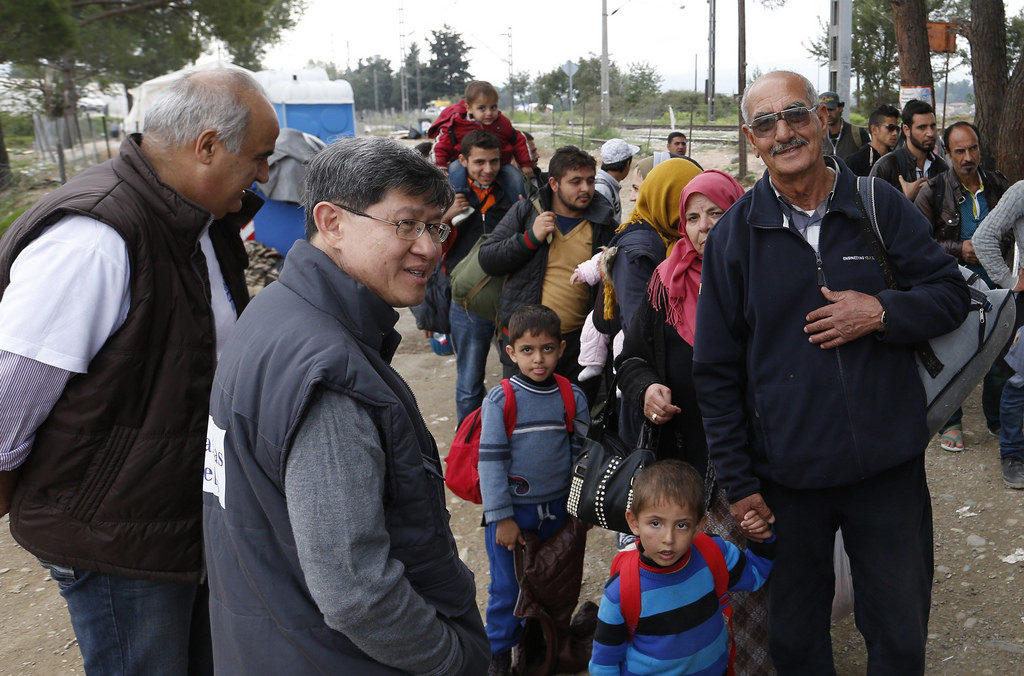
844, 138
616, 161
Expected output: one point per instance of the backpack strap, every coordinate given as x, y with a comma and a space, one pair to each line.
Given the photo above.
627, 565
510, 407
865, 198
568, 401
713, 557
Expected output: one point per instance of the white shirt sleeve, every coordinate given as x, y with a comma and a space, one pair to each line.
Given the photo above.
69, 292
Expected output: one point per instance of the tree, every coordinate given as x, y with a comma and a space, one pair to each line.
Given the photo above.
998, 88
372, 83
447, 69
873, 58
31, 29
909, 19
518, 85
641, 81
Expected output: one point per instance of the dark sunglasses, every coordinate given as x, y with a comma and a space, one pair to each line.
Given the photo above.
764, 125
889, 127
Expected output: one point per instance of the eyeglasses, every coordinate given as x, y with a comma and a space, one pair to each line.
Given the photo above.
889, 127
408, 228
764, 125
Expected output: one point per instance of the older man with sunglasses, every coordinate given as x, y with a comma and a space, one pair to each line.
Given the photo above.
327, 537
805, 374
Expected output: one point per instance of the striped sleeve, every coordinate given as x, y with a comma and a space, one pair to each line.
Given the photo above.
28, 392
748, 570
495, 458
611, 640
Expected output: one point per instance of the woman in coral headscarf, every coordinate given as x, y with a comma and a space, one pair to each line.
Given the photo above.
655, 376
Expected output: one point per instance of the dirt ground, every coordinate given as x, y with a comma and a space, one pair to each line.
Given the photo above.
977, 617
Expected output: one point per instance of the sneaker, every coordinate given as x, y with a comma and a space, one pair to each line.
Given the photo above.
501, 665
993, 429
626, 542
1013, 472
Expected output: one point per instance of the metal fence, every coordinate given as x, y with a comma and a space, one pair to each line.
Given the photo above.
73, 141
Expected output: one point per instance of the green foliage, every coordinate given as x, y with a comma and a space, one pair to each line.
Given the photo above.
874, 60
35, 29
641, 81
447, 72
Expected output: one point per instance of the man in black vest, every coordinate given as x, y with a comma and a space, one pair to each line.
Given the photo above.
327, 538
118, 289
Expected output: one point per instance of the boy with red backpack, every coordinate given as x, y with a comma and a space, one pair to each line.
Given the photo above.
525, 471
479, 110
676, 567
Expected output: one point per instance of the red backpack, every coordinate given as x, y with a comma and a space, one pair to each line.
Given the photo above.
627, 565
462, 477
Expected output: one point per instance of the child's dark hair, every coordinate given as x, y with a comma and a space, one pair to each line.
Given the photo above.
478, 89
479, 138
538, 320
569, 157
669, 481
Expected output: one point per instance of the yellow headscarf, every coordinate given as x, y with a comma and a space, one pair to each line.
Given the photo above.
657, 205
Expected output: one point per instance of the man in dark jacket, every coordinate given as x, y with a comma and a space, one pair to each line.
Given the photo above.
955, 203
327, 537
805, 375
119, 289
914, 162
539, 243
843, 138
885, 129
471, 333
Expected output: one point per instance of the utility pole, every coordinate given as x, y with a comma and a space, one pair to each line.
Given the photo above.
840, 50
511, 82
419, 90
711, 61
605, 104
742, 68
403, 82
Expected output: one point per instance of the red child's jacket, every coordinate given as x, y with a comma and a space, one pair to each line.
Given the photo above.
454, 123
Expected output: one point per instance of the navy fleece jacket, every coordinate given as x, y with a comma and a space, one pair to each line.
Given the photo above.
776, 406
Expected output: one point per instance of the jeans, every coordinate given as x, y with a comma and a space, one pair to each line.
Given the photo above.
503, 627
509, 178
471, 337
129, 626
1011, 413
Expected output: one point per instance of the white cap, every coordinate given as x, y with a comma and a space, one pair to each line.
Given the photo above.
617, 150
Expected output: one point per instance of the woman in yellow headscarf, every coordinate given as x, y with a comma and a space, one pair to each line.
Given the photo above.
645, 240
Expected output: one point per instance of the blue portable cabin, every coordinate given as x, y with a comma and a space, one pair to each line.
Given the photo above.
311, 103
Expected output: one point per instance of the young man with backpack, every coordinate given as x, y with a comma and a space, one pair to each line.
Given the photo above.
524, 475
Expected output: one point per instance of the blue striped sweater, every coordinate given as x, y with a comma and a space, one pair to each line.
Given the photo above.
681, 629
535, 465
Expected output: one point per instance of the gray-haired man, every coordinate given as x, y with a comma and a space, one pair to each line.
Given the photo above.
117, 290
327, 536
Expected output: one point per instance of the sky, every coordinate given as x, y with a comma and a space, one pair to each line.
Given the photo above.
669, 34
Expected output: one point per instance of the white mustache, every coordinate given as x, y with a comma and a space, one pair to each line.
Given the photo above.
795, 142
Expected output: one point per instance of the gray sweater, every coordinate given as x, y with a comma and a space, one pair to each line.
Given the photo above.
1009, 213
336, 511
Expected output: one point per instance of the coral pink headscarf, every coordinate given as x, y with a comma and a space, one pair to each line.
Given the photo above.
676, 282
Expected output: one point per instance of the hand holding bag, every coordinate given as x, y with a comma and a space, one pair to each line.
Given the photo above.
601, 488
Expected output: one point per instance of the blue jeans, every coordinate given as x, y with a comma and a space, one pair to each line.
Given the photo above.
509, 178
504, 629
471, 337
129, 626
1011, 414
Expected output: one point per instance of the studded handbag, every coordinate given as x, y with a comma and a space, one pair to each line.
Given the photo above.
601, 488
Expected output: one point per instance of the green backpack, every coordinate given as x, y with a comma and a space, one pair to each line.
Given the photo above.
474, 289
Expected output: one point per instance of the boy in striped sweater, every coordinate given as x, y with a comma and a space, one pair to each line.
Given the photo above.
680, 628
524, 476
